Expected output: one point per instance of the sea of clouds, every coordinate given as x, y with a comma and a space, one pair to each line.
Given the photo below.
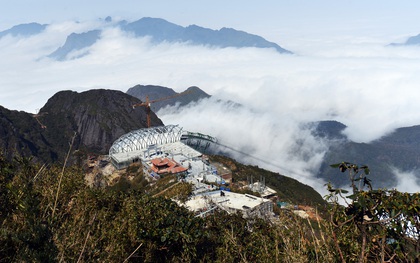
365, 84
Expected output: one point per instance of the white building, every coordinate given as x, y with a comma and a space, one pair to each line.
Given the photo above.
162, 143
161, 151
248, 205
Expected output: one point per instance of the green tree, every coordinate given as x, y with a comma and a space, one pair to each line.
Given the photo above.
24, 236
376, 224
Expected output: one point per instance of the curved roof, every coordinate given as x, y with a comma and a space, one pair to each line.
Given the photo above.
141, 139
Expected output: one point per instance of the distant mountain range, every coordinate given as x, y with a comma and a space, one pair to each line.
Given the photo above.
163, 96
159, 30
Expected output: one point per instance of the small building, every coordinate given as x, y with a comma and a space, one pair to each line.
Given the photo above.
160, 150
248, 205
166, 165
142, 144
262, 189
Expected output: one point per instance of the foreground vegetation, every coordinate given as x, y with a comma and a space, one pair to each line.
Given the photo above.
49, 215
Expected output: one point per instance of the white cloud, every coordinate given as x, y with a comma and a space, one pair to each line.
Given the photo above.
275, 142
406, 181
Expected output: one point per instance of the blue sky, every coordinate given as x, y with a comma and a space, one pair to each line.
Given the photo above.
272, 19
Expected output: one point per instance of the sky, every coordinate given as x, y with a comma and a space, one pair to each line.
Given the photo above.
274, 19
342, 68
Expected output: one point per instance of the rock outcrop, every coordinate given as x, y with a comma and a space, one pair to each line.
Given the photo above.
96, 118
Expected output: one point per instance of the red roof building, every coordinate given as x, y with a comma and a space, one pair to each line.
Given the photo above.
165, 165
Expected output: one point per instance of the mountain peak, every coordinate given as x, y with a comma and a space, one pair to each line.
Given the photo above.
167, 96
25, 30
75, 42
98, 116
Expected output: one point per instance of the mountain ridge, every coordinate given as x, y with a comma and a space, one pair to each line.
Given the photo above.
25, 30
160, 30
75, 42
398, 149
165, 96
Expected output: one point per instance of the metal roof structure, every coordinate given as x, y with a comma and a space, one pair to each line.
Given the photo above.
141, 139
162, 142
131, 146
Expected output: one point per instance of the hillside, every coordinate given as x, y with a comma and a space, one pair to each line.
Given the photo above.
57, 217
49, 213
399, 149
166, 96
288, 189
98, 117
21, 134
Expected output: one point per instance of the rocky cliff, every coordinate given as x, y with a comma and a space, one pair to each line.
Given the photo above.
97, 117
